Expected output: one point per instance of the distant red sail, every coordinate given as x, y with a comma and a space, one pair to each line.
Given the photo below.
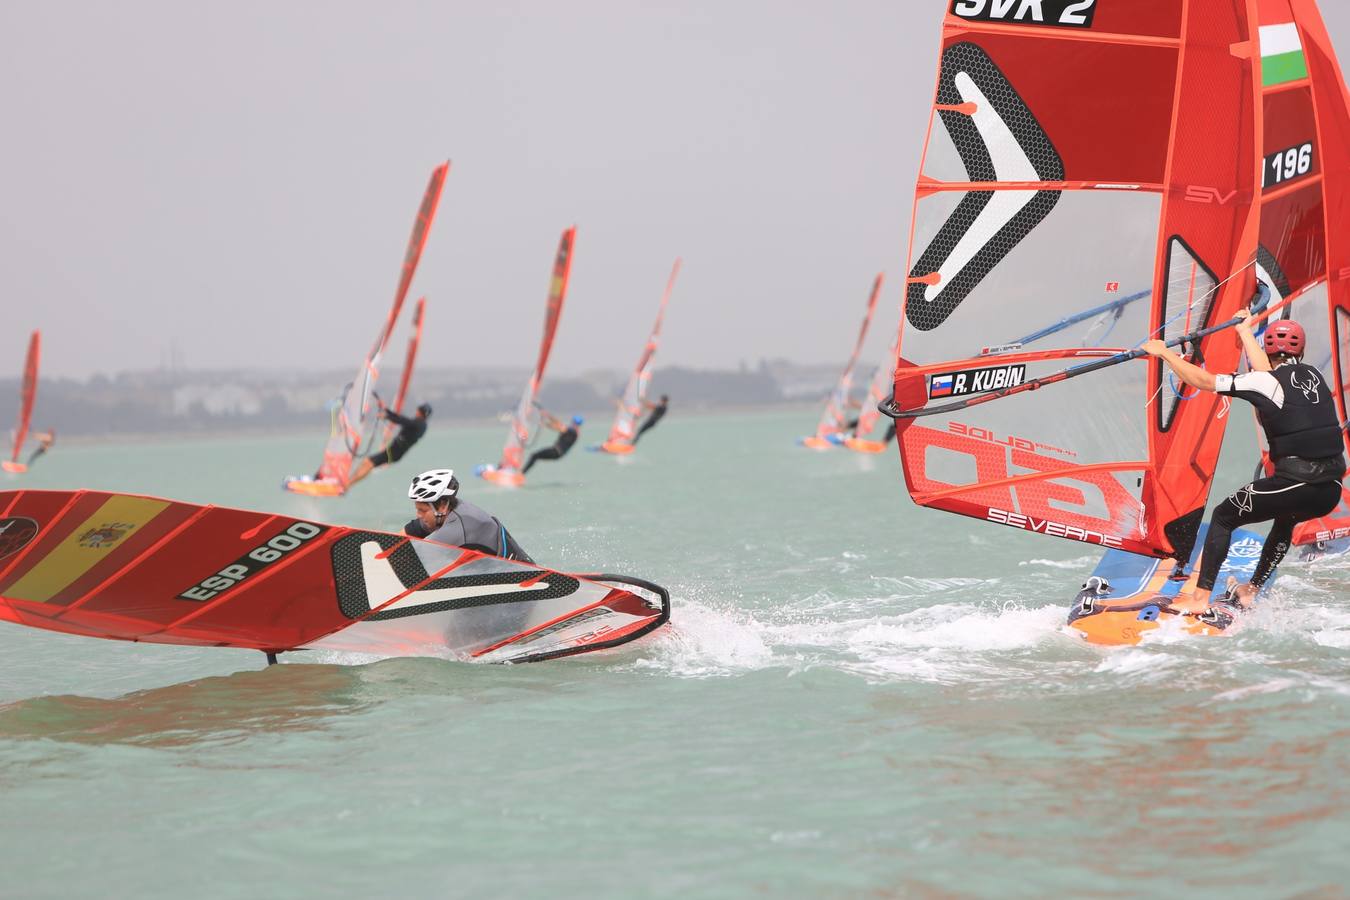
526, 415
414, 341
835, 417
623, 430
27, 394
355, 421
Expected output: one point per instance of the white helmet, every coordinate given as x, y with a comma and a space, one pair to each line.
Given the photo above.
433, 485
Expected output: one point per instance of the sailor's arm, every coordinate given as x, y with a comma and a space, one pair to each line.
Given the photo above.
1256, 355
1188, 372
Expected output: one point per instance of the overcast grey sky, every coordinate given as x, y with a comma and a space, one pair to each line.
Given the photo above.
239, 179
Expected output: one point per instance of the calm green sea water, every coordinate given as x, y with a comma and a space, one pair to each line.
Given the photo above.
857, 698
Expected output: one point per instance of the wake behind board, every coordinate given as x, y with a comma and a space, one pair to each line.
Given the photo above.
1128, 595
135, 568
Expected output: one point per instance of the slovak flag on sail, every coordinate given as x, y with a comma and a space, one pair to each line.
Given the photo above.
940, 386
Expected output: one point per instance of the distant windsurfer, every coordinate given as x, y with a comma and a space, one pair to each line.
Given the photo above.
658, 412
410, 431
45, 441
567, 436
1302, 430
444, 517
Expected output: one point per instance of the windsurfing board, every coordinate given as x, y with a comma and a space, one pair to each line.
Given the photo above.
17, 468
1129, 595
862, 445
134, 568
503, 477
313, 487
617, 448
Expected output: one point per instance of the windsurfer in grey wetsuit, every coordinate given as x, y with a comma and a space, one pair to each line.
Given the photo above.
444, 517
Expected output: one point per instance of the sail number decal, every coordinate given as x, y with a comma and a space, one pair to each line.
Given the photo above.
252, 562
1066, 13
975, 381
1287, 164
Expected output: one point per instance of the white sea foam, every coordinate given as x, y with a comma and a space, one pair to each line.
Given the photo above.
705, 640
1082, 564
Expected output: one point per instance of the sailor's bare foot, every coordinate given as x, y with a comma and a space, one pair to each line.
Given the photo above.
1245, 594
1190, 603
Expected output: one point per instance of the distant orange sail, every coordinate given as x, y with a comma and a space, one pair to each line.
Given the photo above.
27, 397
414, 341
623, 430
834, 419
526, 416
355, 421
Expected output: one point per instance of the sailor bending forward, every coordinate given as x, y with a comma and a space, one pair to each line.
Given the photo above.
1298, 415
445, 518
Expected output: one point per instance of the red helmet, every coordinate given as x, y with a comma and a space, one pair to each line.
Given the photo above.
1285, 336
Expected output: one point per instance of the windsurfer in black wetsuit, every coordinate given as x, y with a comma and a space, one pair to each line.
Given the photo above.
444, 517
567, 436
1298, 415
658, 412
410, 431
45, 440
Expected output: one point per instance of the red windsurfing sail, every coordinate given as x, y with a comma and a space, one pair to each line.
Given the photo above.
414, 341
622, 432
1304, 251
355, 421
138, 568
27, 397
835, 417
879, 388
1090, 168
526, 417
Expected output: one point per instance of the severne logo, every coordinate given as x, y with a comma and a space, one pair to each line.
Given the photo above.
1059, 13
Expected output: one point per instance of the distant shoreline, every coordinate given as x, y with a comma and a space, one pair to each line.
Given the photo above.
244, 432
